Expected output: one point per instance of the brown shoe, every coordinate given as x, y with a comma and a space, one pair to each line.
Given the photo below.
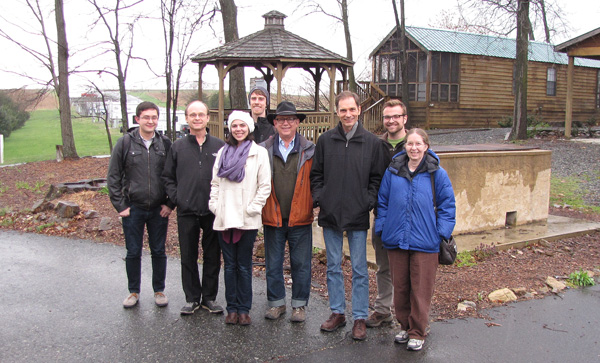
359, 330
231, 318
244, 319
334, 322
376, 319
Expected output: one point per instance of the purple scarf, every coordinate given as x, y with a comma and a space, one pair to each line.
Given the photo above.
233, 160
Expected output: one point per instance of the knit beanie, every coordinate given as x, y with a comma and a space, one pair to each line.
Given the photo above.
242, 116
259, 88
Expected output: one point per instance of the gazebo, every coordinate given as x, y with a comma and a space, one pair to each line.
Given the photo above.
273, 51
584, 46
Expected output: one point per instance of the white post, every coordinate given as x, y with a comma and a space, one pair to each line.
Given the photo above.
1, 149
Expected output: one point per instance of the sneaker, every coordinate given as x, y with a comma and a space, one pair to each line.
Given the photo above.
212, 307
402, 337
376, 319
275, 312
131, 300
189, 308
415, 344
298, 314
334, 322
161, 299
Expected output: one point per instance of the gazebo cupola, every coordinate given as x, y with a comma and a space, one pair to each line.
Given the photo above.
274, 19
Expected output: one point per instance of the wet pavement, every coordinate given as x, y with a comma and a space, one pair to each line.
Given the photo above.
61, 301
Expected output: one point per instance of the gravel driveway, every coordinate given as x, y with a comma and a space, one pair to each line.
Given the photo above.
570, 158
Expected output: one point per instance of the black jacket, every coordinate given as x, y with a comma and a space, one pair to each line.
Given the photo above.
263, 130
345, 177
134, 179
188, 173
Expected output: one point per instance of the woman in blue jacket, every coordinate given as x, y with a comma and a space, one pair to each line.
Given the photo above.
407, 223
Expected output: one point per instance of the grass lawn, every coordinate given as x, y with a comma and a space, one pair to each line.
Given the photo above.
37, 140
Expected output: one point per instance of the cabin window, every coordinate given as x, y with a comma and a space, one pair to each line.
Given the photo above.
445, 68
551, 82
417, 76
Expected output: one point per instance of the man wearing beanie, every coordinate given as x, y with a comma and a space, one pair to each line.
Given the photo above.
259, 99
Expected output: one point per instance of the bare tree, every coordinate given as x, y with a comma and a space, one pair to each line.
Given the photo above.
58, 68
498, 17
519, 127
315, 6
66, 128
237, 84
401, 26
118, 42
105, 115
180, 20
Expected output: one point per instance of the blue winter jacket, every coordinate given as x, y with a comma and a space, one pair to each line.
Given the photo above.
405, 214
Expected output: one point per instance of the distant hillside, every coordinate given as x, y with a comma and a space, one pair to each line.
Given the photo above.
34, 99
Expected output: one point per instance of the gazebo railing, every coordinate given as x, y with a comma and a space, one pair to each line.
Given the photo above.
312, 127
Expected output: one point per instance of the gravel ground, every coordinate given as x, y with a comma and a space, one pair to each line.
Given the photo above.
570, 158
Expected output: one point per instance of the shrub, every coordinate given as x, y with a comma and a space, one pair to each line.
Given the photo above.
581, 278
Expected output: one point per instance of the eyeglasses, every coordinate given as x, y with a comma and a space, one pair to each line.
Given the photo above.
415, 144
289, 120
194, 115
148, 118
395, 117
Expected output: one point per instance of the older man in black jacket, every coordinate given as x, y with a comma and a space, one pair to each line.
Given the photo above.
187, 176
345, 176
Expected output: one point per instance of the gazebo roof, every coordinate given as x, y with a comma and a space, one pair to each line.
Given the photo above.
586, 45
273, 43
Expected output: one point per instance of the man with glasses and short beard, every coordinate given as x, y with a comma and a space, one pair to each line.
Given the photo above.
138, 195
394, 120
187, 176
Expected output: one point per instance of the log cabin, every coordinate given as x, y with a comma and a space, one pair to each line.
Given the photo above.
465, 80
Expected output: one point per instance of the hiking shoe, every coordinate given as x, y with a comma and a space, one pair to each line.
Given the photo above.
334, 322
131, 300
359, 330
244, 319
376, 319
298, 314
402, 337
189, 308
415, 344
275, 312
160, 299
212, 307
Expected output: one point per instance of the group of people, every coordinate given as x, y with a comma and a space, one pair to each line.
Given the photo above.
266, 174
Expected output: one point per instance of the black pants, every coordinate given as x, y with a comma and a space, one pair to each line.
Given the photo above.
189, 236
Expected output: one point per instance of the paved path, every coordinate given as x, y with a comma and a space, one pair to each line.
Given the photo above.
61, 301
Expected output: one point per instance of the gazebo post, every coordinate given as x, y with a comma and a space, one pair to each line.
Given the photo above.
331, 71
221, 116
200, 70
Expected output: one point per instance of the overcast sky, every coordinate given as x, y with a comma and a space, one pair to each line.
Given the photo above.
370, 21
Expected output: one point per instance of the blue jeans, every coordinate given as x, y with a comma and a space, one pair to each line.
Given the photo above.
238, 271
357, 241
133, 229
300, 242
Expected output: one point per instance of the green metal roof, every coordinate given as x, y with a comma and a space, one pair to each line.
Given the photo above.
450, 41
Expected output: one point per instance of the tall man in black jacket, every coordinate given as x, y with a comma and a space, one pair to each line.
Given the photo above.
187, 176
345, 176
137, 193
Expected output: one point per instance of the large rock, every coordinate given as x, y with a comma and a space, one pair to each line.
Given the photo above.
466, 305
41, 205
502, 296
66, 209
555, 284
260, 250
105, 224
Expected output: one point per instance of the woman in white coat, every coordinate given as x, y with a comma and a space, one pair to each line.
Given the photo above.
240, 187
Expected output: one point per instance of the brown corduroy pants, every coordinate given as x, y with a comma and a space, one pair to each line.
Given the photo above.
413, 277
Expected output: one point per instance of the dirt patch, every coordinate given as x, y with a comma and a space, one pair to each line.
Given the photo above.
525, 269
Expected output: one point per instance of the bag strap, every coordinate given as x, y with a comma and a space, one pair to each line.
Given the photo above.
126, 145
433, 193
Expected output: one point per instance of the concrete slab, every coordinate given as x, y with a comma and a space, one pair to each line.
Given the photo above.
554, 228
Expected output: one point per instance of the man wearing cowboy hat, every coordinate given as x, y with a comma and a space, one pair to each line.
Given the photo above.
288, 214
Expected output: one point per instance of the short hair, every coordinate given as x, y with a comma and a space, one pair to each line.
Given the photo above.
419, 132
395, 102
346, 94
194, 101
146, 105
